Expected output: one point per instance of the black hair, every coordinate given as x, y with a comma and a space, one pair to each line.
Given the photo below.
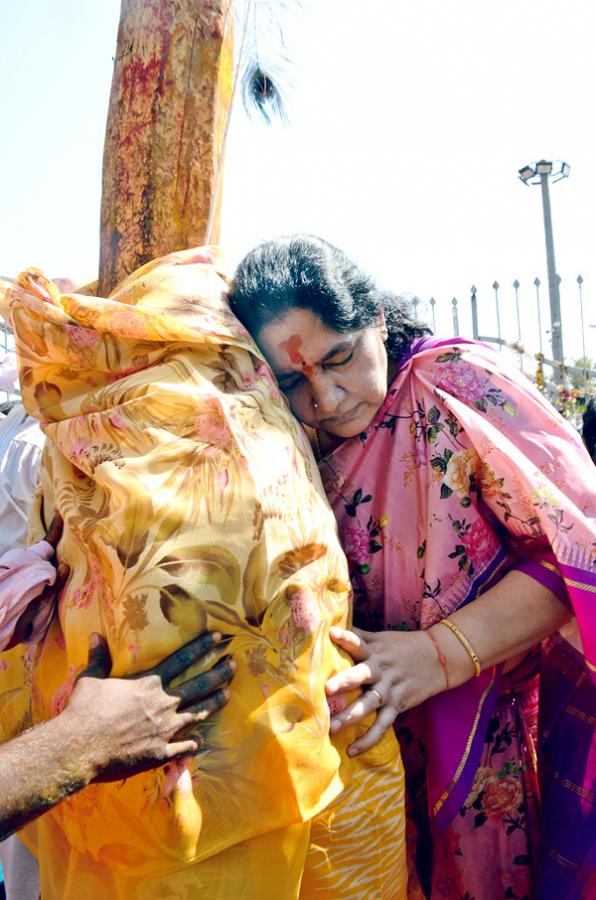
589, 428
305, 272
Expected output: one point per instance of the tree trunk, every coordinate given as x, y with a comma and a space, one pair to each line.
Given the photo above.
170, 98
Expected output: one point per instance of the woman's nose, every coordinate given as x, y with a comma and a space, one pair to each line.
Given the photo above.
327, 396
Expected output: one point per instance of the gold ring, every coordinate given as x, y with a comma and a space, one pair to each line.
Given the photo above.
377, 695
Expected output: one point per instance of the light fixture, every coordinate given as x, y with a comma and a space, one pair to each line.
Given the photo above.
564, 172
544, 167
526, 173
533, 172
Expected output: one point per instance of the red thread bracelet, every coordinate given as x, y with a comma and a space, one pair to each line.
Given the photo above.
442, 659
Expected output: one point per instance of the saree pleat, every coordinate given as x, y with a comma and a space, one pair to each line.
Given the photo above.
567, 839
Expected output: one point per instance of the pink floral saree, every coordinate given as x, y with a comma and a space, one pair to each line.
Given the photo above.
466, 472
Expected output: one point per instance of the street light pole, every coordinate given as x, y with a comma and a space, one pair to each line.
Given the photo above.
539, 173
553, 279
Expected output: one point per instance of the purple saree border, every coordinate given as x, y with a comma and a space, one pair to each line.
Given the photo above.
566, 856
549, 577
458, 793
470, 707
581, 587
484, 579
582, 576
566, 582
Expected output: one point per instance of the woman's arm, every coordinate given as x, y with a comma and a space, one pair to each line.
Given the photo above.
111, 729
404, 667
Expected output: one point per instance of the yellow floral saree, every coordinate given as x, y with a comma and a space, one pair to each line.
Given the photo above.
191, 501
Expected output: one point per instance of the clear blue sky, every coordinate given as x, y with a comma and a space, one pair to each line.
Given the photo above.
408, 122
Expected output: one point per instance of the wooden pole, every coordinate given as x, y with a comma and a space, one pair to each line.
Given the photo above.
171, 92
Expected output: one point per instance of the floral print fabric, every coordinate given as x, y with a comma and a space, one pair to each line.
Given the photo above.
489, 850
476, 457
190, 501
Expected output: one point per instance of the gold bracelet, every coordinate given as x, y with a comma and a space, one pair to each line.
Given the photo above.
464, 642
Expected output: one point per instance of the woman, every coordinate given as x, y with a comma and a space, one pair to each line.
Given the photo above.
463, 502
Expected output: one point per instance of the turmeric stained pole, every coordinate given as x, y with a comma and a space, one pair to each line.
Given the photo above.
170, 98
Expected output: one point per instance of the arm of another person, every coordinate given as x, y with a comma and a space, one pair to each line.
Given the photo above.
110, 729
404, 668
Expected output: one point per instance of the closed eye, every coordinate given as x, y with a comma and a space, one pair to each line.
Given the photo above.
342, 361
341, 356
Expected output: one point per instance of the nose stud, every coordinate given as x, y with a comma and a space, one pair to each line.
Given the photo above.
315, 404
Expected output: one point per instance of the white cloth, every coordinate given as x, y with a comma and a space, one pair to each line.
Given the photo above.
21, 873
9, 374
21, 443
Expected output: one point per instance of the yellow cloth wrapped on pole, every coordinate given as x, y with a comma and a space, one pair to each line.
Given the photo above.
191, 500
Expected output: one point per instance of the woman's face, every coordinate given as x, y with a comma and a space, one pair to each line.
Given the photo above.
334, 382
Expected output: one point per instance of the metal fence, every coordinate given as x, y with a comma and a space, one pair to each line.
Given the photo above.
6, 346
513, 317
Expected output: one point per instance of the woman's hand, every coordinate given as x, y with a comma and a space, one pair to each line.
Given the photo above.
131, 724
400, 669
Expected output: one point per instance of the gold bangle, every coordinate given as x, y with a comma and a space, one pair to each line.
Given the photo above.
464, 642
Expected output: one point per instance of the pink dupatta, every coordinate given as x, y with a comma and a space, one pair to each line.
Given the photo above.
24, 573
465, 472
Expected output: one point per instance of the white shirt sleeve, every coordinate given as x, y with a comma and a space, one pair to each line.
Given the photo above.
21, 445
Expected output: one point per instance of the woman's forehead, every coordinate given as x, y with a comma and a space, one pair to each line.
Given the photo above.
299, 337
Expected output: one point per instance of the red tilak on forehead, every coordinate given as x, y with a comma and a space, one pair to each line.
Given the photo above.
292, 348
